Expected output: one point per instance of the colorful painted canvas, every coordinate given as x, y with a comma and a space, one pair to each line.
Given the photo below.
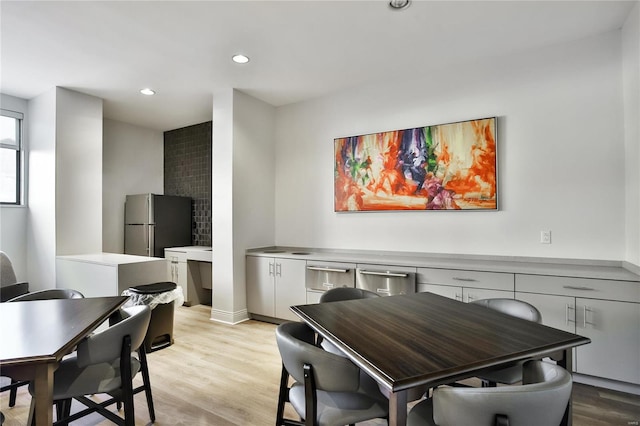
443, 167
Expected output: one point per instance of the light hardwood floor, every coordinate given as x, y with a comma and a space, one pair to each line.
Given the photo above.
216, 374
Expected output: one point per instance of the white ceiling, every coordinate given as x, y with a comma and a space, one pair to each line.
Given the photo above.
298, 49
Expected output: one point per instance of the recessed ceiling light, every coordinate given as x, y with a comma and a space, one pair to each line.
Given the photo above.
147, 91
240, 59
399, 4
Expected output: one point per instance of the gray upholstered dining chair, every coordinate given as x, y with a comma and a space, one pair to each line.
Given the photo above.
541, 400
104, 363
48, 294
9, 285
515, 308
329, 390
10, 288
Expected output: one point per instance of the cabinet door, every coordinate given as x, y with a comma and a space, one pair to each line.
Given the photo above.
452, 292
177, 262
614, 330
471, 294
557, 311
289, 289
260, 285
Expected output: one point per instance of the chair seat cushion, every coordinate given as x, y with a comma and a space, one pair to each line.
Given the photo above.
340, 408
70, 380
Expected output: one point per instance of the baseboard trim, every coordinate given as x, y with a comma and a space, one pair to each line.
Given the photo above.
607, 384
227, 317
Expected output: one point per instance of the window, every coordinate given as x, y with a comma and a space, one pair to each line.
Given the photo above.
10, 157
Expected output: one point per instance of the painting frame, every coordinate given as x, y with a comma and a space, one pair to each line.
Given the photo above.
451, 166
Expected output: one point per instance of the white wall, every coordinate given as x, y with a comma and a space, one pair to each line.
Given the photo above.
65, 180
78, 173
41, 223
560, 150
631, 96
133, 163
13, 219
222, 206
253, 178
243, 194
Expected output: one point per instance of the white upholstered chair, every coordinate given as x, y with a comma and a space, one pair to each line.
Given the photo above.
516, 308
329, 390
541, 400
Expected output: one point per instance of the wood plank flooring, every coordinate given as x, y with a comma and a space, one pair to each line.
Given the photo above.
216, 374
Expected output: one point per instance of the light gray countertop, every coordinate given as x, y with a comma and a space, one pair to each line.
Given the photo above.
579, 268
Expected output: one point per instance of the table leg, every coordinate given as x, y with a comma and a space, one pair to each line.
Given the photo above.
398, 408
567, 363
43, 386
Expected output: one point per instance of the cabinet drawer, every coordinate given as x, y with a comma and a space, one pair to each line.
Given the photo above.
471, 279
624, 291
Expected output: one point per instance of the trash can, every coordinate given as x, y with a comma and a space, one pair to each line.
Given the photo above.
161, 298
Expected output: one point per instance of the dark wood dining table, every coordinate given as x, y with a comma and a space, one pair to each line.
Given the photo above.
426, 339
35, 335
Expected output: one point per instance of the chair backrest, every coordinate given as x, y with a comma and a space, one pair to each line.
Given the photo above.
52, 293
7, 274
346, 293
515, 308
106, 346
332, 373
541, 400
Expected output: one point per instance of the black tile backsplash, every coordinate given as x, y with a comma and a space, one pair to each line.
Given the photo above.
187, 172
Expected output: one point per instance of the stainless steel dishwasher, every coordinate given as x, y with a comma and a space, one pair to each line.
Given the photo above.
323, 276
386, 280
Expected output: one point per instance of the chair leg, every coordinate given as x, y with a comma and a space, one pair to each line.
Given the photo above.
63, 410
13, 393
282, 396
147, 383
310, 396
127, 385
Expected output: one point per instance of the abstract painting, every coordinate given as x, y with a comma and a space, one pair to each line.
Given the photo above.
443, 167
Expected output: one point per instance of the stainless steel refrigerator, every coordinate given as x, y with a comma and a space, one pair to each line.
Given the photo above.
154, 222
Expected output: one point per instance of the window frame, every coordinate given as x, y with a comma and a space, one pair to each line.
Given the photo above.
19, 190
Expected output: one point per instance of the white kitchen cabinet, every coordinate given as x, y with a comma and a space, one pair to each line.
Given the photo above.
466, 286
464, 294
178, 272
612, 325
614, 330
556, 311
190, 268
450, 291
273, 285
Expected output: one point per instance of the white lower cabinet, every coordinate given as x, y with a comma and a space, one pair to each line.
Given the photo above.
614, 330
177, 264
273, 285
452, 292
556, 311
465, 286
464, 294
612, 325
